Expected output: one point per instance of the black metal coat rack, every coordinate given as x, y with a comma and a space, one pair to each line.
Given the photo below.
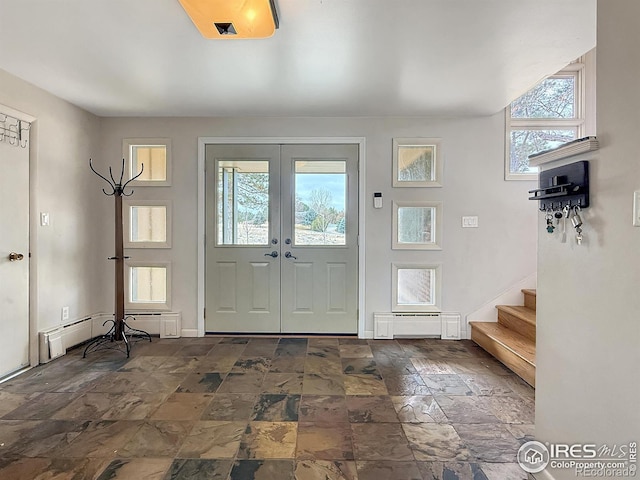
120, 335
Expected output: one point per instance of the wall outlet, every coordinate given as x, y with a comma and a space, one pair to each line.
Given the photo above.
636, 208
65, 313
470, 222
44, 219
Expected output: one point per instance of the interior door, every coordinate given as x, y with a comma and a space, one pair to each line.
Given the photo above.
14, 255
281, 238
319, 279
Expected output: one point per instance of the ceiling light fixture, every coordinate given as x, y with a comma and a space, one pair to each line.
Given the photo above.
233, 18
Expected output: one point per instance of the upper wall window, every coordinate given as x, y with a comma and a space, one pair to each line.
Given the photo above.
152, 153
557, 110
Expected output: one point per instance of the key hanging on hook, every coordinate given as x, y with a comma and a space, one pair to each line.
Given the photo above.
549, 219
576, 221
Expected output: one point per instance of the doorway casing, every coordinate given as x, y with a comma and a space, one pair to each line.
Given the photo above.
203, 141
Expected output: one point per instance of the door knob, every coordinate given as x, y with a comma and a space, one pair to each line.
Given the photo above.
13, 257
273, 254
290, 255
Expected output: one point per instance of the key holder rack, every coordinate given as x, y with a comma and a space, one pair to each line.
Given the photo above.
567, 185
120, 335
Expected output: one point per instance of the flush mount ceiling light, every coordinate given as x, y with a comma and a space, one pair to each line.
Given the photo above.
233, 18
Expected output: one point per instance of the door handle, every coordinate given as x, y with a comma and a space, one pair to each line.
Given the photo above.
13, 257
289, 255
273, 254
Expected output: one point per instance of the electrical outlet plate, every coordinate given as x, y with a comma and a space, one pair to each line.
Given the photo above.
65, 313
636, 208
44, 219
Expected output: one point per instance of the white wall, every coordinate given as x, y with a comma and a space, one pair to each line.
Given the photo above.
588, 342
478, 264
62, 139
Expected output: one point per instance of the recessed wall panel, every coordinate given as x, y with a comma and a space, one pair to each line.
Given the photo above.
260, 286
227, 286
336, 287
303, 287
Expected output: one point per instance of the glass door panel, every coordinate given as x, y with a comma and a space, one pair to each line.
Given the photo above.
320, 202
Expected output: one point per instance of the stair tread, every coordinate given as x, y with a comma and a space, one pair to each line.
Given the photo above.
523, 313
518, 344
529, 291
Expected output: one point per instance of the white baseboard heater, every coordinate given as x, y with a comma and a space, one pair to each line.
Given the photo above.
54, 342
390, 325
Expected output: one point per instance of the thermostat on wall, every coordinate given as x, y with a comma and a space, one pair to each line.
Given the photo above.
377, 200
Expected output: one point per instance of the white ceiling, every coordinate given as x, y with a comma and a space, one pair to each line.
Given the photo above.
329, 57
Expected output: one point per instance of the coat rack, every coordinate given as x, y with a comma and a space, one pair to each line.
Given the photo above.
120, 334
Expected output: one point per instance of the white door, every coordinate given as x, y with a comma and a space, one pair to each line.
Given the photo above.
281, 238
14, 243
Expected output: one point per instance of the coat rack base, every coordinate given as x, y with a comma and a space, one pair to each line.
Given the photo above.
112, 341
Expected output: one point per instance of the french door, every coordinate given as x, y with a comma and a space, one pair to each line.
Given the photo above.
281, 238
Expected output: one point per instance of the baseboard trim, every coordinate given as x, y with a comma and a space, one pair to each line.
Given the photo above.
189, 332
368, 334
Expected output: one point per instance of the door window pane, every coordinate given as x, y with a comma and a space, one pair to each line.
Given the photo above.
243, 202
320, 202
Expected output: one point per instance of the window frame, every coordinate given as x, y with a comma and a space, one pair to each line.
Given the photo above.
148, 306
436, 143
436, 289
584, 73
127, 148
126, 220
436, 224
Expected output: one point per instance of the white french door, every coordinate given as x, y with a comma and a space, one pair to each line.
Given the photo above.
14, 255
281, 238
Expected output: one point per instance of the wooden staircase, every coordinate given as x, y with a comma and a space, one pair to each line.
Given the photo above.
512, 339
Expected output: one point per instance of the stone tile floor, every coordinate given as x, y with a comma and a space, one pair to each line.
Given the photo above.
234, 408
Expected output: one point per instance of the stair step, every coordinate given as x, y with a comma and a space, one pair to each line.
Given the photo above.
515, 351
519, 319
529, 298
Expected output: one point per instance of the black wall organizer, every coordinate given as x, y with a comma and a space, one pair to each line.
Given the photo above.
560, 186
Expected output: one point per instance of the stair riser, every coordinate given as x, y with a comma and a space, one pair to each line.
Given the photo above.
518, 365
516, 324
529, 300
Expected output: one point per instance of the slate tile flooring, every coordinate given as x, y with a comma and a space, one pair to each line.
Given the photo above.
236, 408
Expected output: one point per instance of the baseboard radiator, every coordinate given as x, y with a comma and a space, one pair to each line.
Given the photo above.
54, 342
390, 325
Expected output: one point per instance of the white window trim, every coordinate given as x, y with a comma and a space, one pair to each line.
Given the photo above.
436, 224
126, 220
129, 305
584, 121
437, 161
436, 289
128, 143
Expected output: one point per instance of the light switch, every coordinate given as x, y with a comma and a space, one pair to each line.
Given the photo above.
636, 208
44, 219
470, 222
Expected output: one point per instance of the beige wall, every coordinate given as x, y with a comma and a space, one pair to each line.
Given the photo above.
63, 138
477, 264
588, 385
